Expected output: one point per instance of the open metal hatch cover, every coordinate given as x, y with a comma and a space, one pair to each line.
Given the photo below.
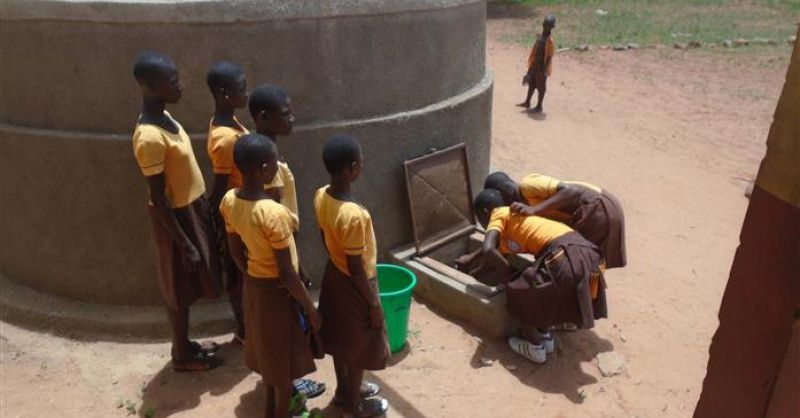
440, 196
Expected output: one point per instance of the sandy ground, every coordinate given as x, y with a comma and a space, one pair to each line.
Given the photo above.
673, 134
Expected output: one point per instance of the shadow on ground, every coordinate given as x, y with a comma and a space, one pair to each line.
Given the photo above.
170, 392
251, 404
561, 374
535, 115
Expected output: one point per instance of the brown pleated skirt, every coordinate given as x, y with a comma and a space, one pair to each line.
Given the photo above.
557, 288
230, 271
346, 332
599, 218
276, 347
181, 288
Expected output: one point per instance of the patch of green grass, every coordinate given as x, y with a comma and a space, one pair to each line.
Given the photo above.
650, 22
130, 407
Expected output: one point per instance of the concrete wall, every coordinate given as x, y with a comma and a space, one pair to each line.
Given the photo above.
401, 76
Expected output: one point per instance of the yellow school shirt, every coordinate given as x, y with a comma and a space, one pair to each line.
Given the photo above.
549, 51
284, 180
264, 226
220, 150
347, 228
159, 151
536, 188
524, 234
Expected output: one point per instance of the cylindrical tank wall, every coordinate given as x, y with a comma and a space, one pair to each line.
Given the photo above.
402, 80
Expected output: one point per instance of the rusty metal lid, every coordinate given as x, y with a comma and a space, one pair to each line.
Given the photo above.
440, 197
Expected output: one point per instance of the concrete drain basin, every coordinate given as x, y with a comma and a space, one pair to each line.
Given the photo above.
443, 222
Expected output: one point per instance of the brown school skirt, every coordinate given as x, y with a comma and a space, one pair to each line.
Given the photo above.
230, 271
599, 218
346, 332
181, 288
557, 288
276, 347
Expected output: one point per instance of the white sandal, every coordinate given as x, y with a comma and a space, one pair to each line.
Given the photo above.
532, 352
549, 343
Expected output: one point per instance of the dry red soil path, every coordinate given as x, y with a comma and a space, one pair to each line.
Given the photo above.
673, 137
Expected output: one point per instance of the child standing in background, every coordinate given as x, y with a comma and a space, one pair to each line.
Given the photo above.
540, 64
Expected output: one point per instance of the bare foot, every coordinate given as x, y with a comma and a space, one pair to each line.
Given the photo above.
537, 109
524, 104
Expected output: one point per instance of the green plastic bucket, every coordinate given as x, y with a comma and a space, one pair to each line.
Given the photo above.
396, 285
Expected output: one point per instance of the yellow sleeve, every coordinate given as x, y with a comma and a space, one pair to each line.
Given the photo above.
354, 232
532, 56
150, 151
221, 150
497, 222
289, 198
225, 211
538, 186
278, 227
551, 47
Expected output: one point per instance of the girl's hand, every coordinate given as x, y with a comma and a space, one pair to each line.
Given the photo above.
521, 209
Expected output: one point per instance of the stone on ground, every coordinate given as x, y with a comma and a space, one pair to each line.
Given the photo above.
727, 43
749, 189
610, 363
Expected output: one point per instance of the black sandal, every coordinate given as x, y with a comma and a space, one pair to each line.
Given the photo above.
198, 363
367, 390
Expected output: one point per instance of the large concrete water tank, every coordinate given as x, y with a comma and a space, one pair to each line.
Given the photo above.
402, 76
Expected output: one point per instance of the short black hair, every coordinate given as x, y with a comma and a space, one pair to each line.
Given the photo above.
266, 97
151, 64
550, 20
223, 75
339, 152
252, 150
500, 181
487, 200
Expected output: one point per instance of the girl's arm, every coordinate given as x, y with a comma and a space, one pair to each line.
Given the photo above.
190, 254
236, 248
355, 266
493, 267
291, 281
565, 195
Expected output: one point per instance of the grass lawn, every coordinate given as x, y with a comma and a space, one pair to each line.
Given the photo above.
650, 22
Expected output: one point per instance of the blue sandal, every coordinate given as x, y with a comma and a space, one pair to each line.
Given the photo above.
309, 388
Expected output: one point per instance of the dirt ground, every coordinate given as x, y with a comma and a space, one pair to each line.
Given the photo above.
674, 134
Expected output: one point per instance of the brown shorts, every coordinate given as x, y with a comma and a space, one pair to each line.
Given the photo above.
346, 332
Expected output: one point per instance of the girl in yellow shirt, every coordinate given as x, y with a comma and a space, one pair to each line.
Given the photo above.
186, 252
